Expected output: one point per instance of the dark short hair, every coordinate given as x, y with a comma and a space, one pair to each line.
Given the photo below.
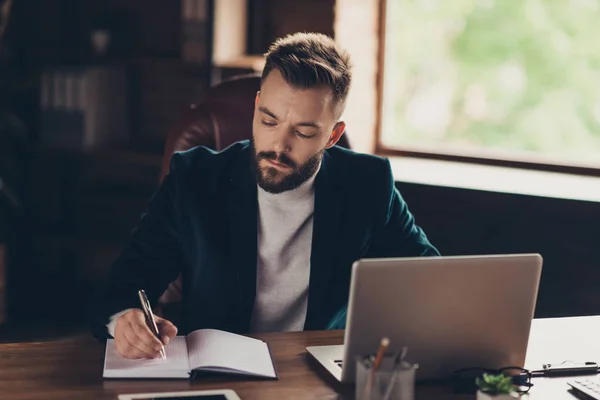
309, 60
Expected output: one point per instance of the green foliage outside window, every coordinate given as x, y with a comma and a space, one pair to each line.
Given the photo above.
511, 75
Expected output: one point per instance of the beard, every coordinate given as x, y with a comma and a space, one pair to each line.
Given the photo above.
275, 181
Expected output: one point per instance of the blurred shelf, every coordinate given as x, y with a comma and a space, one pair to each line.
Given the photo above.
103, 154
131, 60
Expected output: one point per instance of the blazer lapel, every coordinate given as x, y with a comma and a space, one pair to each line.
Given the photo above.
242, 212
326, 223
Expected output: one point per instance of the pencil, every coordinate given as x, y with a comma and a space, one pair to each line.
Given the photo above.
385, 343
383, 346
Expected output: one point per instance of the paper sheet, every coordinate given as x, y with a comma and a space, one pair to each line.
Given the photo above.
219, 350
177, 360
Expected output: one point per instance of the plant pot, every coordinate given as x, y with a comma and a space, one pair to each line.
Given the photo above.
486, 396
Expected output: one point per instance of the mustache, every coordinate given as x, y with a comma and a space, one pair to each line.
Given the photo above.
281, 158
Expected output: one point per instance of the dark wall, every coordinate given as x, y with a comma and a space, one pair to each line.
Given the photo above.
81, 212
565, 232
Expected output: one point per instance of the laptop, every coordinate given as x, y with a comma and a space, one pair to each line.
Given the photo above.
450, 312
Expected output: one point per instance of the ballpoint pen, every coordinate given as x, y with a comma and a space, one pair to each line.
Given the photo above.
150, 320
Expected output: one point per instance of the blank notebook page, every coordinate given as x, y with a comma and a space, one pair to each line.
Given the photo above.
222, 351
177, 360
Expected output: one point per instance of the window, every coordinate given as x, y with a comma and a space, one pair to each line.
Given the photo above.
493, 79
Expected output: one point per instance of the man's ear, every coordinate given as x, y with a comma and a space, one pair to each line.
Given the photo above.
336, 134
256, 99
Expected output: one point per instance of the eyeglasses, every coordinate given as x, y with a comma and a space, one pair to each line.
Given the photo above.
463, 380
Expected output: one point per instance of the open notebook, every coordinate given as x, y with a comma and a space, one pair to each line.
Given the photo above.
201, 350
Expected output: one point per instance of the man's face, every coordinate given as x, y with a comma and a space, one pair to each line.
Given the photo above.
290, 132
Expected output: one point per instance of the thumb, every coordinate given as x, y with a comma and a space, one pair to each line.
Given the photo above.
167, 330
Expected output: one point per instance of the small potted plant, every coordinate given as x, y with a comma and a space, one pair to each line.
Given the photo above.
495, 387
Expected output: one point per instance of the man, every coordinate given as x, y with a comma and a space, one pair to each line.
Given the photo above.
265, 232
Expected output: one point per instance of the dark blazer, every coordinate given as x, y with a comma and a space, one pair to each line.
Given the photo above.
202, 223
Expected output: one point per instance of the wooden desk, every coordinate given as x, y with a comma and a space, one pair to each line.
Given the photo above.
72, 368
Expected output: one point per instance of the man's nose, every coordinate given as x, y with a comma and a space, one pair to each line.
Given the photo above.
281, 141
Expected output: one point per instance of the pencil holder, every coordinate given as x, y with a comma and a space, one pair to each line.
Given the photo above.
388, 382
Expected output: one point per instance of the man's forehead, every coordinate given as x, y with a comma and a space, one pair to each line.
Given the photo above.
276, 94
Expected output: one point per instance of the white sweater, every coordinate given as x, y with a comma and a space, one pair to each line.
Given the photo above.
285, 226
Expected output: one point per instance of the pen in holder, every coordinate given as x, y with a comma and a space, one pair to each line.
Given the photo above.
394, 379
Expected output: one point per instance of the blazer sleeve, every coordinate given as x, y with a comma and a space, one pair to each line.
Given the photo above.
396, 233
151, 259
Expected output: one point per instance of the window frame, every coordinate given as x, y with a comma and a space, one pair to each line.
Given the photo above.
514, 161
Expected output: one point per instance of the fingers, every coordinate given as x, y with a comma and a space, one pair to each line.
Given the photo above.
133, 338
126, 344
144, 334
167, 330
139, 345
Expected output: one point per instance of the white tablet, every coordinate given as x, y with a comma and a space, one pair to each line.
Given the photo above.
224, 394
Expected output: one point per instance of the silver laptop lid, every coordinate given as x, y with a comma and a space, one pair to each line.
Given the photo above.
451, 312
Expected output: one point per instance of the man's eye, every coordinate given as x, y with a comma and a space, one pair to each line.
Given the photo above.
302, 135
265, 123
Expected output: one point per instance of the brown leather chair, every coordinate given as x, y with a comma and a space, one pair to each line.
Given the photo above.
223, 117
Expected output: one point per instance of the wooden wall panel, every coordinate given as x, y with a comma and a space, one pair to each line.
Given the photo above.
566, 233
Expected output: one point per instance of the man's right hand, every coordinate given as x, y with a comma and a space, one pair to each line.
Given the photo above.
133, 338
